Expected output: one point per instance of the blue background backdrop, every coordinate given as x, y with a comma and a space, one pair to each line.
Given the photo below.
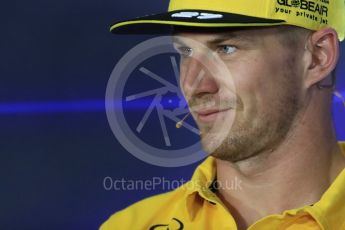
56, 146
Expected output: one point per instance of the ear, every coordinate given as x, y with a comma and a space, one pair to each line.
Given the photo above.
323, 46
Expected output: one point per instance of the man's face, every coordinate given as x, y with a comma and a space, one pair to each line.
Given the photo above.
243, 88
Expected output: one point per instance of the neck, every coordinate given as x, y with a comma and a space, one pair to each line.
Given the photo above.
294, 174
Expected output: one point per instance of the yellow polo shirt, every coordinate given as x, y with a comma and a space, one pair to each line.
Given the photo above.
195, 206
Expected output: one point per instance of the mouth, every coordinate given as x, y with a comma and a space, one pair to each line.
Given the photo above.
207, 116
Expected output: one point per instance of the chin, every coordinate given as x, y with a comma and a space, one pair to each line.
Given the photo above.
233, 148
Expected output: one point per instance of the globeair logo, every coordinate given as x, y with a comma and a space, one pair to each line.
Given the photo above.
310, 6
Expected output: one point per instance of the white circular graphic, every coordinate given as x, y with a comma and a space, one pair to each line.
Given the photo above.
162, 98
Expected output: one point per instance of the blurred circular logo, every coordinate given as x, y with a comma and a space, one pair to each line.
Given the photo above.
144, 105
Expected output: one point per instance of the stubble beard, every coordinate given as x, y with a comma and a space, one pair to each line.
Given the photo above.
248, 138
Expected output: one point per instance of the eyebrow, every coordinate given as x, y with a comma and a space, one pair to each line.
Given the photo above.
228, 36
220, 38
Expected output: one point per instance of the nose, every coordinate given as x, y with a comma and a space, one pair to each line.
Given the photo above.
196, 78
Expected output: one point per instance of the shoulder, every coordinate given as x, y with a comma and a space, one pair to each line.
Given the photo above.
171, 209
144, 213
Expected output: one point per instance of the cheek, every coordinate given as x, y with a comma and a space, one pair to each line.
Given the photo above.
182, 78
258, 82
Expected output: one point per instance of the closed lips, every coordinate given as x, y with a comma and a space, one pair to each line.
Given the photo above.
209, 111
210, 115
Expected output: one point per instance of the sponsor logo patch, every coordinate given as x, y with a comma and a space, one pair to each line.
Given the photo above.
308, 9
178, 225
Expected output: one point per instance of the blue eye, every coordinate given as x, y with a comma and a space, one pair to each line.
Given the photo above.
185, 51
227, 49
